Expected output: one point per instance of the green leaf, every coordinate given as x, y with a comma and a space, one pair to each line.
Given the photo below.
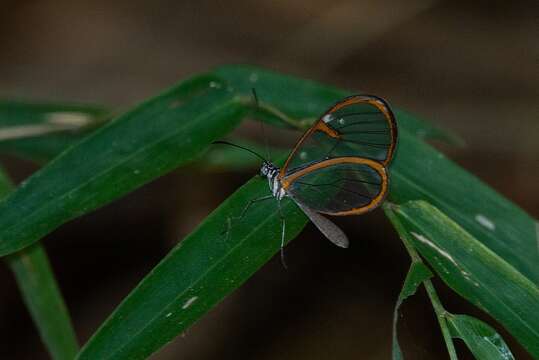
36, 281
41, 131
306, 100
146, 142
173, 129
482, 340
40, 292
196, 275
419, 172
18, 113
474, 271
417, 273
303, 101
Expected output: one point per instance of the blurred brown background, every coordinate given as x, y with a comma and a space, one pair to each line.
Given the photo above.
469, 66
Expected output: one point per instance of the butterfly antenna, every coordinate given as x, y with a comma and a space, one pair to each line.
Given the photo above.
240, 147
257, 104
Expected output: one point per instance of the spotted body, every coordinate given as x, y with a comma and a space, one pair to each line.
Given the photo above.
271, 172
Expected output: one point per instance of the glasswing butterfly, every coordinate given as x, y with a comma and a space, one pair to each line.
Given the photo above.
338, 167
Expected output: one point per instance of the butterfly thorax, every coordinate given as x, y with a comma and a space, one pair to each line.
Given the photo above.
271, 172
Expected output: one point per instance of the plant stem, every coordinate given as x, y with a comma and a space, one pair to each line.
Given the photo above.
429, 287
441, 316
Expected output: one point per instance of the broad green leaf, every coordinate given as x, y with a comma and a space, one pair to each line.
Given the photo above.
40, 292
482, 340
40, 131
474, 271
196, 275
146, 142
419, 172
304, 101
417, 273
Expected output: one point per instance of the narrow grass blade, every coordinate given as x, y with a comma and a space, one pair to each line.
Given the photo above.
43, 299
41, 295
146, 142
482, 340
196, 275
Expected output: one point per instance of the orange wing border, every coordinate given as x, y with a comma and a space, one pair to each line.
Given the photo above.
320, 125
287, 181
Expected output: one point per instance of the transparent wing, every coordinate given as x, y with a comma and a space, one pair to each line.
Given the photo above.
360, 125
326, 226
339, 186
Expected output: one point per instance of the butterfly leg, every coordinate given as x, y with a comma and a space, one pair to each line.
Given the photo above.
229, 220
283, 232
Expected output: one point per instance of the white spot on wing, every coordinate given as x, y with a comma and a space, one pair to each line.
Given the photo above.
189, 302
327, 118
485, 221
168, 315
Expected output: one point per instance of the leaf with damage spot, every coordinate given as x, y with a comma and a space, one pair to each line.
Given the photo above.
474, 271
155, 137
482, 340
41, 131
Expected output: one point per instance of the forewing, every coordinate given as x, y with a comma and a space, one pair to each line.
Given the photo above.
360, 125
339, 186
326, 226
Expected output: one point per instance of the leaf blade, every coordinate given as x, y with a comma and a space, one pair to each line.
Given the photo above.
41, 131
124, 154
420, 172
482, 340
303, 101
200, 271
39, 290
474, 271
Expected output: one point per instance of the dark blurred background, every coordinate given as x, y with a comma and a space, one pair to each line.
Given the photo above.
469, 66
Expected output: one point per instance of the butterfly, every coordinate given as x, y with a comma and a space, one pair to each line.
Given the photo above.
338, 167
